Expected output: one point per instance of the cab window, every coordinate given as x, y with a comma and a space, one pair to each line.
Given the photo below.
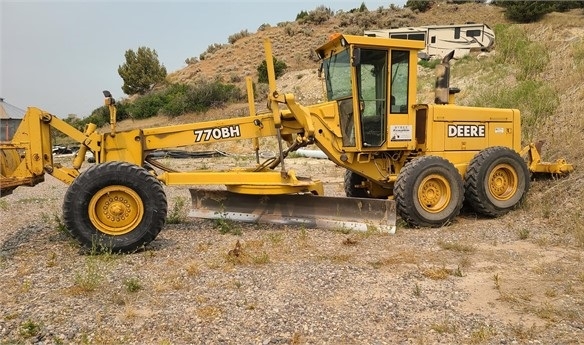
400, 71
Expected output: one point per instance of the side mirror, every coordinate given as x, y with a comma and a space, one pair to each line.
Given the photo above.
356, 61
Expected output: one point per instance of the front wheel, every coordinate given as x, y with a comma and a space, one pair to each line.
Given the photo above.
115, 206
428, 192
353, 185
496, 181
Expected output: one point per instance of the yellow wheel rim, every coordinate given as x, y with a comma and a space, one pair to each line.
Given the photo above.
503, 182
116, 210
434, 193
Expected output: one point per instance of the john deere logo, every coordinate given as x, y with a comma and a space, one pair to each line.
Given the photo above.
466, 131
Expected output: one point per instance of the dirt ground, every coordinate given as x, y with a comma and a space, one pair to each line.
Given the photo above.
511, 280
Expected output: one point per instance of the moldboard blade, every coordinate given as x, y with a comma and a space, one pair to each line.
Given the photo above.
359, 214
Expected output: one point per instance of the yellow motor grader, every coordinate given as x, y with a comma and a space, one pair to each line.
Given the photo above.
420, 161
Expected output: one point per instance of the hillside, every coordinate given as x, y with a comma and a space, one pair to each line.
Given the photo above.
294, 42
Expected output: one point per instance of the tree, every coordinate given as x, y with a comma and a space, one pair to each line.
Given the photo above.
279, 68
141, 71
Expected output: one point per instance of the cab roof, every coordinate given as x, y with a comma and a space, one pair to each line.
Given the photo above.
338, 42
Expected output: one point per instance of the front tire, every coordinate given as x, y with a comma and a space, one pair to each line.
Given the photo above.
115, 206
428, 192
496, 181
352, 180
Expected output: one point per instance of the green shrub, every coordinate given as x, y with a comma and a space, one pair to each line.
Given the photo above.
526, 11
418, 5
279, 69
431, 64
301, 15
147, 106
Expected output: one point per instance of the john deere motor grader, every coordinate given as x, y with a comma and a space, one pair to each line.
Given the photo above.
422, 160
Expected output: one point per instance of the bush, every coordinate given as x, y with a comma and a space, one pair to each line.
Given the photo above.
180, 99
431, 64
526, 11
319, 15
419, 5
235, 37
279, 69
301, 15
210, 50
264, 26
191, 60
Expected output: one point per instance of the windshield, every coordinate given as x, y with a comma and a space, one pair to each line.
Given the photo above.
337, 69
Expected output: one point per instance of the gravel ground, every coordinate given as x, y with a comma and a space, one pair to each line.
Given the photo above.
512, 280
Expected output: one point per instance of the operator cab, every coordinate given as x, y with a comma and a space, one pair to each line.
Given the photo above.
373, 81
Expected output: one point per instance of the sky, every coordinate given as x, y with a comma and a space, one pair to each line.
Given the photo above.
60, 55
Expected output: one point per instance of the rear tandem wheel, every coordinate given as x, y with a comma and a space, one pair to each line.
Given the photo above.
428, 192
115, 206
496, 181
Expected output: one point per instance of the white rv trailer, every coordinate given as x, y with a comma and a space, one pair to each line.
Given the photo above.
442, 39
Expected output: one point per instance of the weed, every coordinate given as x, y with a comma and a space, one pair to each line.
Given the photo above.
551, 293
303, 234
523, 233
3, 205
497, 281
547, 311
457, 247
522, 333
178, 212
482, 334
132, 284
261, 259
436, 273
226, 226
417, 290
32, 200
29, 329
343, 230
444, 327
457, 272
275, 237
464, 262
26, 285
192, 269
208, 313
297, 339
90, 278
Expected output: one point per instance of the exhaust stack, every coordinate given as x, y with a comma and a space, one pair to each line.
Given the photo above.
442, 90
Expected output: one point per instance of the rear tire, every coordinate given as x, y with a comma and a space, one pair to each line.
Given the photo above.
115, 206
496, 181
351, 181
428, 192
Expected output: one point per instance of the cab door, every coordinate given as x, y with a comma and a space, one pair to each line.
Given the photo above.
371, 79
